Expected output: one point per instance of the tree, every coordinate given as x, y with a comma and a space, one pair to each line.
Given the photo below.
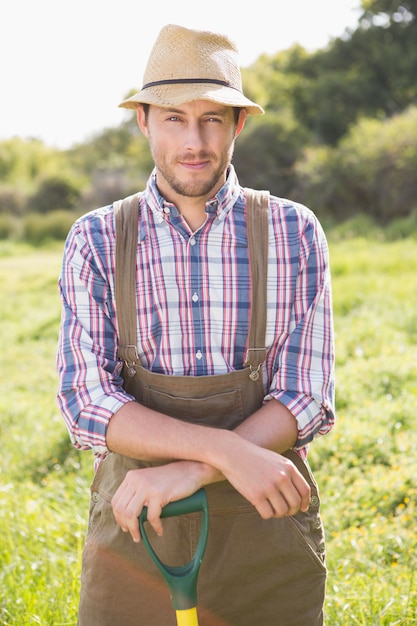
368, 72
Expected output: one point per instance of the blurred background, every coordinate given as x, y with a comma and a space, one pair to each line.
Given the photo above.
337, 81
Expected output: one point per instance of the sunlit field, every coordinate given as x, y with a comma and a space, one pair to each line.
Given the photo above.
365, 467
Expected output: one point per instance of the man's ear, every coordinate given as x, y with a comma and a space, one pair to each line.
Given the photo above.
241, 121
141, 119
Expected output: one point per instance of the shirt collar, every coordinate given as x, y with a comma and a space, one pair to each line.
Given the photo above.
220, 204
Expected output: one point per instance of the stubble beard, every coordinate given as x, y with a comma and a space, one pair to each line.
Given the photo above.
193, 187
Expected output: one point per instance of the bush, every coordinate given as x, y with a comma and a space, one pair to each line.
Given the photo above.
55, 193
360, 225
12, 200
371, 171
266, 152
7, 226
37, 229
402, 227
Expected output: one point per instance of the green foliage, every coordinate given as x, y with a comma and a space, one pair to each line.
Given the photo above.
402, 227
37, 229
56, 192
117, 161
22, 162
7, 226
365, 467
42, 513
272, 79
368, 72
339, 134
113, 148
266, 153
12, 199
395, 10
372, 171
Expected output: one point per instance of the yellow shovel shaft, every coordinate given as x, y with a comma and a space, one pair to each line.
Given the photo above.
188, 617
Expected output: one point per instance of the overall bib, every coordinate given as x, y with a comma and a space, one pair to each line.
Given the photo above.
255, 572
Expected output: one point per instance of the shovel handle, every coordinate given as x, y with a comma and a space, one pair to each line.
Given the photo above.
191, 504
181, 580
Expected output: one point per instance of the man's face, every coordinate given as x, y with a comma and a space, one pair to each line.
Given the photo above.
192, 146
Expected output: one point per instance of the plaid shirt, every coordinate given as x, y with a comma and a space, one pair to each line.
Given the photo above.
193, 298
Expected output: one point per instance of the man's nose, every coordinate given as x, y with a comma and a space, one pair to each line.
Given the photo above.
194, 139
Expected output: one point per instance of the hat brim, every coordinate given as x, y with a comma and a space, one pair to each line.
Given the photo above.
175, 95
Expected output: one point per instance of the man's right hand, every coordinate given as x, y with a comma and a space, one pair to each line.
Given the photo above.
268, 480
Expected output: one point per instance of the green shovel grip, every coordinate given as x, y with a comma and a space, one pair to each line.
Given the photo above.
181, 580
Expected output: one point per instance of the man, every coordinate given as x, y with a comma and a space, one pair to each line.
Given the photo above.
205, 400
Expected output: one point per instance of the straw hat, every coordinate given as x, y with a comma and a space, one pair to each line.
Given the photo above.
187, 65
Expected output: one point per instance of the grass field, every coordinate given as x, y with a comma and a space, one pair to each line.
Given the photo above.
365, 467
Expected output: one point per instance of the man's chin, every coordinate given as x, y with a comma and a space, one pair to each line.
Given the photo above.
194, 188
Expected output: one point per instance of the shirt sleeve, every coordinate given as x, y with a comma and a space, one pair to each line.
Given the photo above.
303, 370
90, 383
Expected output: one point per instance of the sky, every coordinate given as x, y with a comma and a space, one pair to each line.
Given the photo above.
65, 66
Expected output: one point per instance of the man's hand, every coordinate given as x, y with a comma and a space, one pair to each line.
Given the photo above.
153, 487
245, 457
270, 481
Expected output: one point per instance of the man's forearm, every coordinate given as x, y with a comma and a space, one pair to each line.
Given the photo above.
197, 455
273, 426
141, 433
138, 432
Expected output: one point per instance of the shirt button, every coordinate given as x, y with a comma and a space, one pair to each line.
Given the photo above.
199, 355
94, 496
167, 210
195, 297
192, 241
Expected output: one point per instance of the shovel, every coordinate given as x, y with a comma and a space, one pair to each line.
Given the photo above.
182, 580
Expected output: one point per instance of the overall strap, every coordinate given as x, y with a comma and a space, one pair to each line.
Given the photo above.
126, 222
257, 210
126, 215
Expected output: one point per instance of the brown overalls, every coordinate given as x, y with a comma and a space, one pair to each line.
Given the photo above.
255, 572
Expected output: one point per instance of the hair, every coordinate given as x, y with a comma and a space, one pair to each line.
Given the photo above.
145, 107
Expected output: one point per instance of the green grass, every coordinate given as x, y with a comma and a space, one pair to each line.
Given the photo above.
365, 467
43, 488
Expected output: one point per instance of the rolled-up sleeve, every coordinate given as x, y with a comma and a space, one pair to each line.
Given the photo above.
303, 366
90, 383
